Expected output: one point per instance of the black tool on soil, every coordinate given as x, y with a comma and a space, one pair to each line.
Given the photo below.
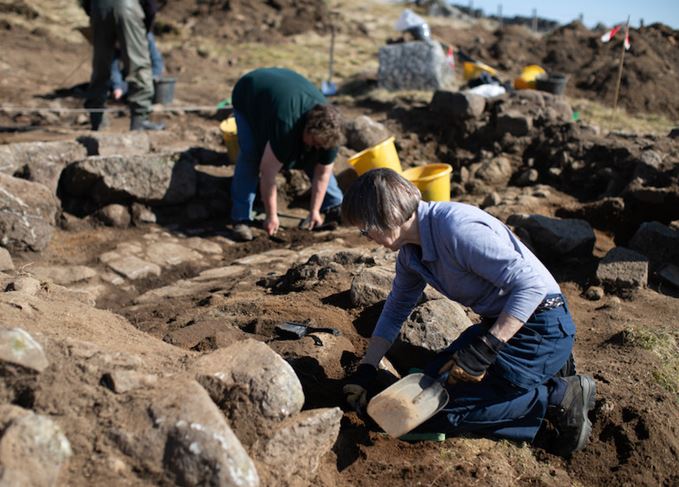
289, 330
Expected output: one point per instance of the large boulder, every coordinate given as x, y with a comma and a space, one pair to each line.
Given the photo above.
33, 449
363, 132
191, 439
658, 242
419, 65
457, 106
554, 238
496, 171
123, 144
156, 179
430, 328
40, 162
252, 385
371, 285
623, 268
27, 214
18, 347
291, 453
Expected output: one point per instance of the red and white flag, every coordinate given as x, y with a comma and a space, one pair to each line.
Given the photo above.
610, 34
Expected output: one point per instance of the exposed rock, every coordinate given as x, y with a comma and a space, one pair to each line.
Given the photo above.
419, 65
514, 123
363, 132
496, 171
594, 293
290, 455
157, 179
493, 199
27, 214
25, 285
40, 162
141, 214
203, 245
371, 285
554, 238
623, 268
122, 144
197, 447
33, 450
6, 263
18, 347
115, 215
64, 274
528, 177
658, 242
430, 328
670, 274
133, 267
124, 380
457, 105
168, 254
251, 384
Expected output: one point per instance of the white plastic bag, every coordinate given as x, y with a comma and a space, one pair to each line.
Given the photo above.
408, 20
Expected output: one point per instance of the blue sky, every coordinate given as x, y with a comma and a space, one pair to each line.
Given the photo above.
608, 12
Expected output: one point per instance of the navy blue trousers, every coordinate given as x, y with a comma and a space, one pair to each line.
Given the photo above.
511, 401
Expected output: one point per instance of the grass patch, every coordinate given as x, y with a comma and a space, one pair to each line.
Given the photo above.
664, 345
595, 113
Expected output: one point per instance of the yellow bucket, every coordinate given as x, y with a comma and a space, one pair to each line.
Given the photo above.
433, 181
380, 155
474, 70
527, 79
230, 134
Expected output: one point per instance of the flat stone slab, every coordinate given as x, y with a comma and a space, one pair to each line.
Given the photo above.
64, 274
133, 267
623, 268
168, 254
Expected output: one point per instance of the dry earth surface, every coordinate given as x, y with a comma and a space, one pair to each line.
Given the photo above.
153, 357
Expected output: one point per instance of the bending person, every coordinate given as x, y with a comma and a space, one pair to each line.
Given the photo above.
283, 122
504, 374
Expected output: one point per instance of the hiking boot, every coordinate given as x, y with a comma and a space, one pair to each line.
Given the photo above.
98, 121
140, 122
242, 232
570, 416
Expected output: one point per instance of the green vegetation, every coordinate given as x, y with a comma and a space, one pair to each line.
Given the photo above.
607, 119
664, 344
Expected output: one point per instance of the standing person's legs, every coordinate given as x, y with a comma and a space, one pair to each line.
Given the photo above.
157, 64
103, 42
246, 173
135, 52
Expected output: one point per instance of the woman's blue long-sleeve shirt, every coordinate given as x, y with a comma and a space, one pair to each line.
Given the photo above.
470, 257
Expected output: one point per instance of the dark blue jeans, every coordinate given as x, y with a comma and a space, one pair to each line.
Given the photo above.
511, 401
246, 176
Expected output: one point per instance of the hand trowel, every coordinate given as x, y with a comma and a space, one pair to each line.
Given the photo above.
408, 403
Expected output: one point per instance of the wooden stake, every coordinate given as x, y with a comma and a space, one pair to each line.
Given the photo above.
622, 60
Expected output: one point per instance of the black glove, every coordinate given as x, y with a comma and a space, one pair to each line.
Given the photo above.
358, 386
470, 363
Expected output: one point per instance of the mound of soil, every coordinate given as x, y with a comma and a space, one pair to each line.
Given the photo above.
237, 20
648, 78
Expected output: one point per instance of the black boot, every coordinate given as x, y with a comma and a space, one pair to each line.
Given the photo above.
98, 120
141, 122
570, 416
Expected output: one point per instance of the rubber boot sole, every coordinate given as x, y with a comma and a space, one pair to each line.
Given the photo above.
588, 401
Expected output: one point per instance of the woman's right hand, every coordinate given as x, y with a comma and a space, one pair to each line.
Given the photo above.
271, 224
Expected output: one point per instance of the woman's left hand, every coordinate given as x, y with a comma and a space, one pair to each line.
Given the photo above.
470, 363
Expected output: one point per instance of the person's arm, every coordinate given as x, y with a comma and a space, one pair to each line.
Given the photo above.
269, 167
319, 185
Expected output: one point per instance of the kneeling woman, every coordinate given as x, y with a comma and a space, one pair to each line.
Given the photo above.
503, 372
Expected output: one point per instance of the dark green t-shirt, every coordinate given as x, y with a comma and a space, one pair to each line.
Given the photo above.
275, 101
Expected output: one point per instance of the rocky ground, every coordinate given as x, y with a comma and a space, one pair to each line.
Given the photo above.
139, 344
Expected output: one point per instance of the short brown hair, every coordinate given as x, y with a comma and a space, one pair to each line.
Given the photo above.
380, 199
324, 123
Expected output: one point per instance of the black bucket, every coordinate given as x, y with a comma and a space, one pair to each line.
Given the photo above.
163, 90
555, 83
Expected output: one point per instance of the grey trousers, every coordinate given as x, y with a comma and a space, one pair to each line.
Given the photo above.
121, 22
